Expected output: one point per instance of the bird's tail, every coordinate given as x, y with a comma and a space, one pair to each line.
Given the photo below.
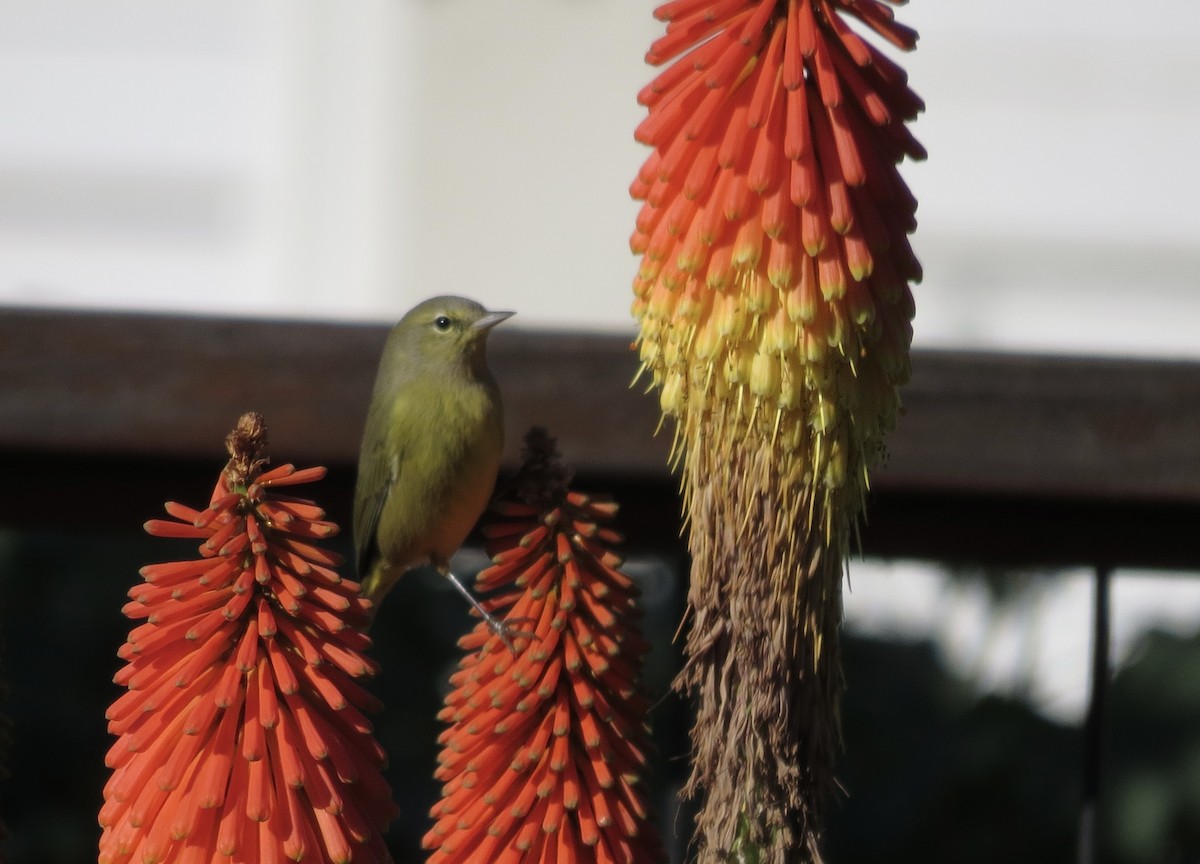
378, 583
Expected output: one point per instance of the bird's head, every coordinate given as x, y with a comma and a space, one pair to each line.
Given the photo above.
446, 330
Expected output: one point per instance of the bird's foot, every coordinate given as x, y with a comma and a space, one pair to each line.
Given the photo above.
507, 630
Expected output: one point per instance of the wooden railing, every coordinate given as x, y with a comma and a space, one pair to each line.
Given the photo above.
999, 458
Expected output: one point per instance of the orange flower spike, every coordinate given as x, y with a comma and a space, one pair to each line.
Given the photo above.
524, 731
800, 44
783, 376
228, 651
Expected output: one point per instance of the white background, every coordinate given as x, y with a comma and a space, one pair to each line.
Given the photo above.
306, 158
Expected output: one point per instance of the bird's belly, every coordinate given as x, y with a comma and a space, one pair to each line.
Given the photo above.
438, 516
464, 501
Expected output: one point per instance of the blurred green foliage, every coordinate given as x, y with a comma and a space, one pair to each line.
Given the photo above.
1151, 804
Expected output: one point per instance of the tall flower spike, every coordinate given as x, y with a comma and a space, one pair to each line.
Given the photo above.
544, 751
774, 309
242, 735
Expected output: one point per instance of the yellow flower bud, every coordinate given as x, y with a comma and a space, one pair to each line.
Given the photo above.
764, 375
802, 300
779, 334
758, 294
671, 394
650, 351
731, 318
691, 301
670, 352
823, 415
662, 302
737, 363
706, 340
791, 381
813, 347
835, 466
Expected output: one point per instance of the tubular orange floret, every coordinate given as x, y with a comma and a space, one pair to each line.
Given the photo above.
524, 732
233, 716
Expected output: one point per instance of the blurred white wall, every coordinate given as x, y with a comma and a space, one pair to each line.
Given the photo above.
210, 155
1059, 203
307, 158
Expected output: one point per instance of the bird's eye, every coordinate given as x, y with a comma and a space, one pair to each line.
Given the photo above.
442, 323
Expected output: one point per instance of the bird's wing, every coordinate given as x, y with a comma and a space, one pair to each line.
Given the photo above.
376, 479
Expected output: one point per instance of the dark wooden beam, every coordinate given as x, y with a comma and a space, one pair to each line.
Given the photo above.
999, 457
147, 385
1108, 429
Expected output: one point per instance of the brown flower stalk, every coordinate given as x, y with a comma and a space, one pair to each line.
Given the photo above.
242, 735
545, 749
774, 307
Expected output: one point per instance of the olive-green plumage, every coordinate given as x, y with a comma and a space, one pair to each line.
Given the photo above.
432, 442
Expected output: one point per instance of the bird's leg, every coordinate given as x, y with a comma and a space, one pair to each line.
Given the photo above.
502, 629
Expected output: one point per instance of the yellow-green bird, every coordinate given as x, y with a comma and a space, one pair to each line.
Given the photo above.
431, 446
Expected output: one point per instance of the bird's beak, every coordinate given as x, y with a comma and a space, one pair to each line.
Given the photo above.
491, 319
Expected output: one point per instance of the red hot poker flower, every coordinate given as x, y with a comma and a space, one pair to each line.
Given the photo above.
545, 749
242, 734
774, 311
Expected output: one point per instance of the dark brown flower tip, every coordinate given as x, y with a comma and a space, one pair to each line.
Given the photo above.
543, 479
247, 448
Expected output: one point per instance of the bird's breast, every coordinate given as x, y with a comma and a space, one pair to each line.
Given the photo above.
442, 489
